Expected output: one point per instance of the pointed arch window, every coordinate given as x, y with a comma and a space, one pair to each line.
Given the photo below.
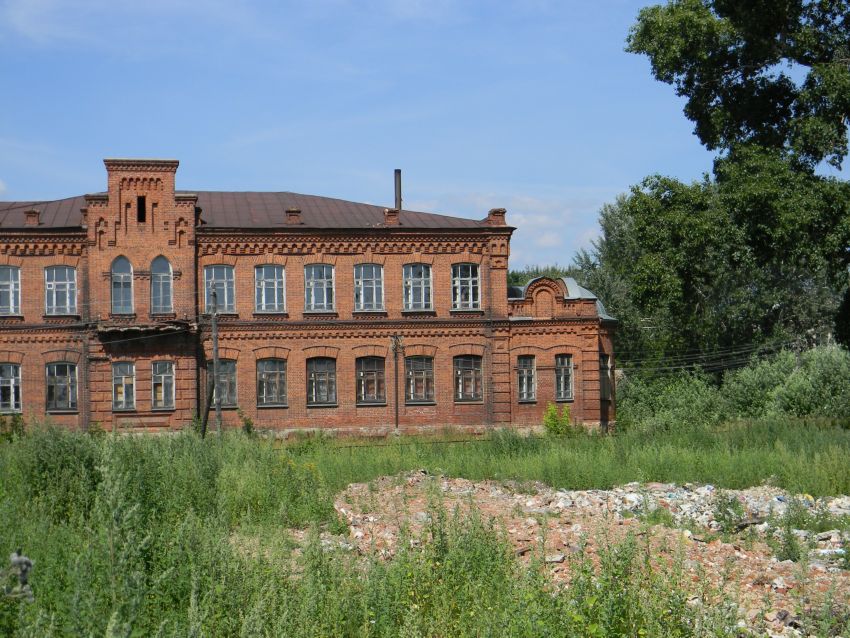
122, 286
161, 286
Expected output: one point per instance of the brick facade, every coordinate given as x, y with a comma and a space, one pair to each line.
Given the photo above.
141, 217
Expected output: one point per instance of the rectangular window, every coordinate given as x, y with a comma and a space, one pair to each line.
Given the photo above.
10, 387
368, 287
417, 287
563, 377
318, 288
226, 385
221, 279
419, 374
606, 384
466, 291
371, 386
61, 386
270, 289
141, 209
526, 383
271, 382
321, 381
10, 290
124, 386
60, 290
162, 385
468, 378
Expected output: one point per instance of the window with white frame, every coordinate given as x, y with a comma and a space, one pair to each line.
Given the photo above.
321, 381
526, 382
371, 384
124, 385
220, 278
226, 384
419, 374
161, 286
10, 387
271, 382
60, 290
417, 287
606, 383
61, 386
162, 385
368, 287
468, 385
318, 288
466, 288
270, 288
122, 286
563, 377
10, 290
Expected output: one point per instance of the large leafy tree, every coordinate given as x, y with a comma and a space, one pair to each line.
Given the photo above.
771, 72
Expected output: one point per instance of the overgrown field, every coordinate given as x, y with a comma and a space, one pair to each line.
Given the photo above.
138, 536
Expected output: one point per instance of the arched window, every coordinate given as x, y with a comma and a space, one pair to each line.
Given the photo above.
371, 386
468, 384
321, 381
419, 373
271, 382
122, 286
161, 278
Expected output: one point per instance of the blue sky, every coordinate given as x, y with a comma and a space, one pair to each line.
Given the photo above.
529, 105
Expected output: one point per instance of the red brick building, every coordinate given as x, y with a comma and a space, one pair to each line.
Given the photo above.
332, 314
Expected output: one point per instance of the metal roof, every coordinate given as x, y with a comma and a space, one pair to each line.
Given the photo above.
220, 209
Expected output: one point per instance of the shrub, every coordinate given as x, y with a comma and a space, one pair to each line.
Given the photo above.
555, 423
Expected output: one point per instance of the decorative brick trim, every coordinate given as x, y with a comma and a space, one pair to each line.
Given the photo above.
420, 350
321, 351
370, 351
271, 352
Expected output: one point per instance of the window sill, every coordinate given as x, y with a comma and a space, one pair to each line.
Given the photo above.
122, 316
221, 315
124, 410
527, 401
170, 409
271, 406
60, 316
331, 312
466, 311
469, 401
370, 313
372, 405
271, 313
321, 406
572, 400
424, 313
418, 403
11, 412
162, 316
11, 317
57, 411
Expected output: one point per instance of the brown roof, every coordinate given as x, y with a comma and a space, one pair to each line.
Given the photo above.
248, 210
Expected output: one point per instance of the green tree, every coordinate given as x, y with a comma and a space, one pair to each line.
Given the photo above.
771, 72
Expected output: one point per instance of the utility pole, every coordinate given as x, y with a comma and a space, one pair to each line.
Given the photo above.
397, 347
217, 393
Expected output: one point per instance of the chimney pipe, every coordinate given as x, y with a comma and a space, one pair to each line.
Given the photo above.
398, 189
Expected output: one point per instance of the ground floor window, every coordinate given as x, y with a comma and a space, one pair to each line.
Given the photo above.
371, 385
563, 377
606, 384
162, 385
271, 382
10, 387
124, 386
526, 385
467, 372
225, 386
419, 375
321, 381
61, 386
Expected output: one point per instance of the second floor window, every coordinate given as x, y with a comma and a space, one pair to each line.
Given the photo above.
122, 287
468, 378
162, 385
60, 290
221, 279
225, 386
10, 387
10, 290
419, 376
321, 381
271, 382
270, 289
124, 386
61, 386
563, 377
417, 287
318, 288
371, 387
161, 283
368, 287
466, 291
526, 383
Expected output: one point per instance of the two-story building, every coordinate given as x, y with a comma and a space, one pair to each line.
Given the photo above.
331, 315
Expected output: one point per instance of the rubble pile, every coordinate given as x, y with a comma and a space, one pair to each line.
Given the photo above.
770, 593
